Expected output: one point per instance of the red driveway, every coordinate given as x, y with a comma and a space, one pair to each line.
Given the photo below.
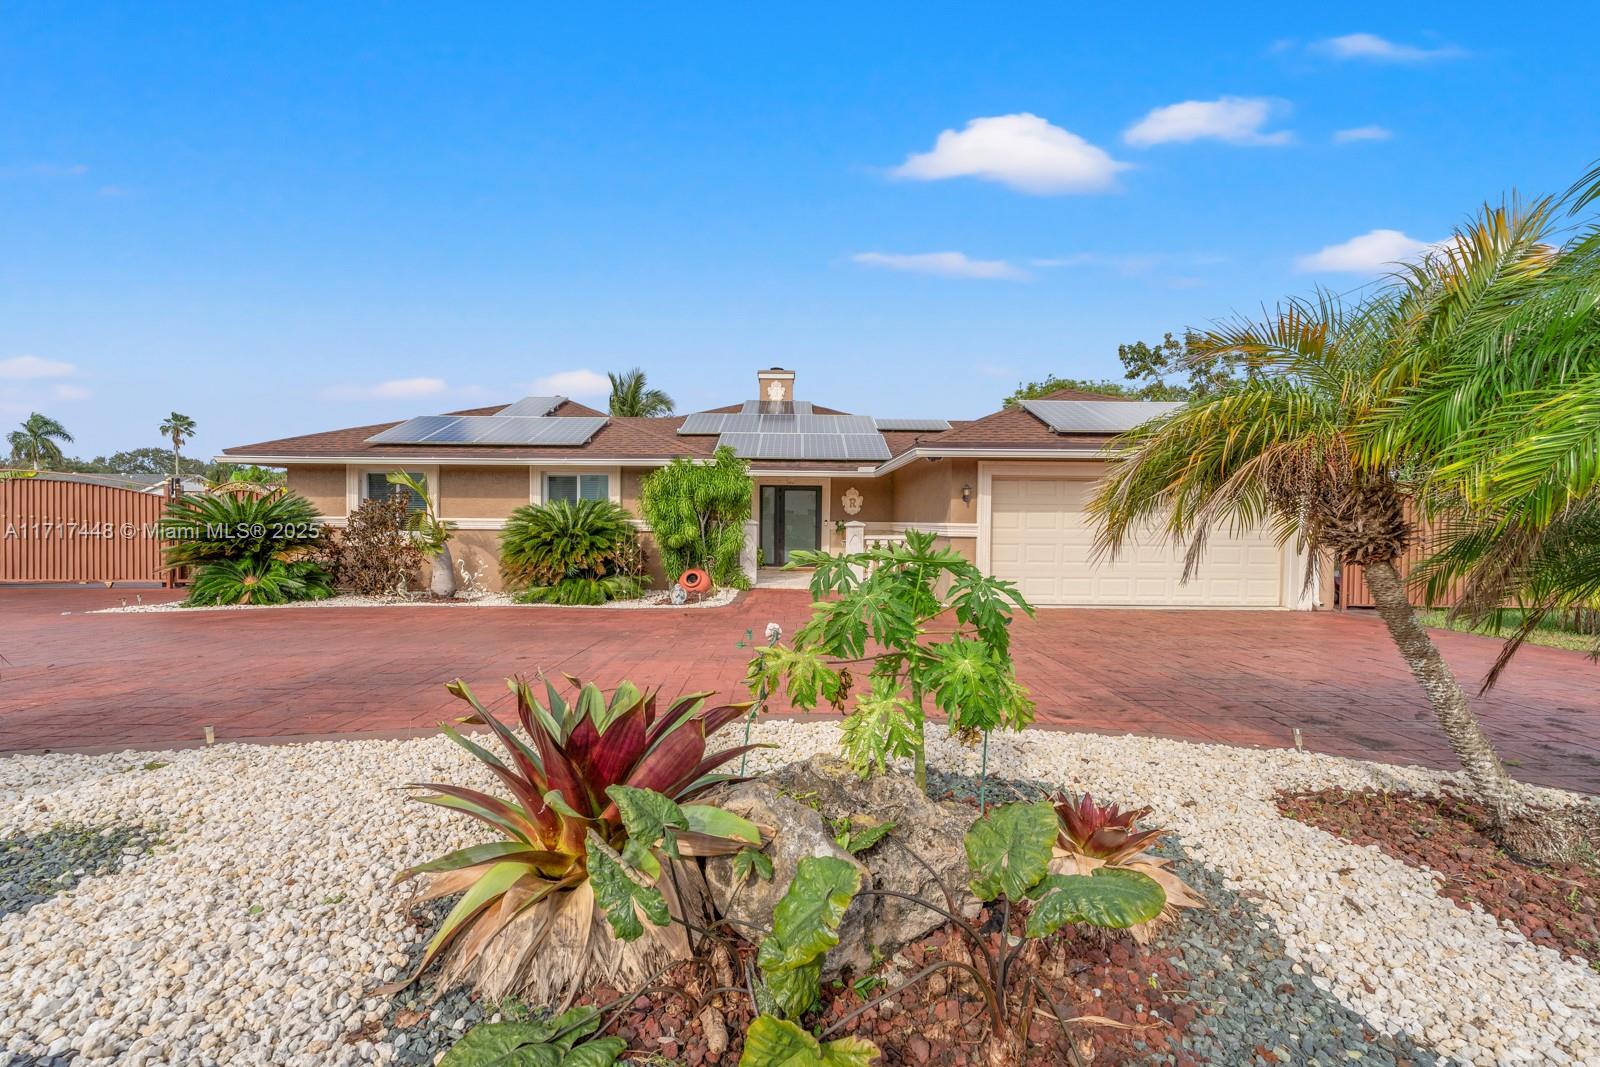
93, 681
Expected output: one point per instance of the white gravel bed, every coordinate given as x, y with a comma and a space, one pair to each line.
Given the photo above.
256, 934
656, 598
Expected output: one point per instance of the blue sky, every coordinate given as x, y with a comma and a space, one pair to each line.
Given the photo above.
287, 219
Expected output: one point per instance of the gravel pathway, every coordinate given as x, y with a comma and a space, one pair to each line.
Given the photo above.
658, 598
255, 935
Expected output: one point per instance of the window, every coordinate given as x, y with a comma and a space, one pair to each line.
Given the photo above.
378, 488
575, 487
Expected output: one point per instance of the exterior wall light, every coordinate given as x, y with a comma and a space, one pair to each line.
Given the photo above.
966, 494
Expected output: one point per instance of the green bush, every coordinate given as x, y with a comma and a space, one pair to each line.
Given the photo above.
697, 512
206, 529
571, 553
266, 581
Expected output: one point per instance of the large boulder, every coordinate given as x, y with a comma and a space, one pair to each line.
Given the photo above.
804, 801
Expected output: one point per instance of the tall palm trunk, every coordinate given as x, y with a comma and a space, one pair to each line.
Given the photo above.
1472, 748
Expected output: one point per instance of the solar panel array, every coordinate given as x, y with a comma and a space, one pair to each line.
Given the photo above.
491, 430
1096, 416
533, 405
817, 446
706, 423
776, 407
912, 424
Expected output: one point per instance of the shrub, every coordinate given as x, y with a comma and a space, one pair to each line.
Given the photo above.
377, 556
546, 543
266, 581
209, 528
697, 513
584, 591
600, 808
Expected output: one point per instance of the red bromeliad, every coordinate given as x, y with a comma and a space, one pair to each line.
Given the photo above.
531, 884
1102, 832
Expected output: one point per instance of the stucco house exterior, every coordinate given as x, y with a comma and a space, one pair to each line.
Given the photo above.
1007, 490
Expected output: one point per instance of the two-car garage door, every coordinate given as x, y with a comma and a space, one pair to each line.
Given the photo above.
1041, 539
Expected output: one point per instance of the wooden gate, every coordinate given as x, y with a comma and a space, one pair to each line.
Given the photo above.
53, 530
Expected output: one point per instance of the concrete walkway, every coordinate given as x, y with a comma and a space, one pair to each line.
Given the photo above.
70, 680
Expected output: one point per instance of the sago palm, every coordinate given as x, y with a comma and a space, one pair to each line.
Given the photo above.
1282, 450
631, 395
35, 442
177, 429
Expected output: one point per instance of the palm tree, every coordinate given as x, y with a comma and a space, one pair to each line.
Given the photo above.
1502, 385
631, 396
1284, 449
179, 428
36, 442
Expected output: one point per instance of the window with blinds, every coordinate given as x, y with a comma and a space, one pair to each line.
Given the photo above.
575, 487
378, 488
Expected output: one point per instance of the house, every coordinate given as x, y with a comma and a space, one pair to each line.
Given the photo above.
1007, 490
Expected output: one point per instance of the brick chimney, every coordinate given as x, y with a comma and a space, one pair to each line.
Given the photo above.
775, 384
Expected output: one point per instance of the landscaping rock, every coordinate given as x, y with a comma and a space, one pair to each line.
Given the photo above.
806, 802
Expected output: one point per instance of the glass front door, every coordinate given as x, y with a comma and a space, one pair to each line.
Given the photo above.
791, 518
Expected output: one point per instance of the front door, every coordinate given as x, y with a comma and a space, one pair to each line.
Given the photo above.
791, 518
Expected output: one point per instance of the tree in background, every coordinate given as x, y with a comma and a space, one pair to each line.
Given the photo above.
631, 395
697, 512
1201, 373
36, 442
178, 429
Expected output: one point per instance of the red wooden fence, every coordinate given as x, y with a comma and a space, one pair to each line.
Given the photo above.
1354, 592
53, 530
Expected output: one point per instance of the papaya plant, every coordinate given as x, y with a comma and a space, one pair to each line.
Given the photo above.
929, 625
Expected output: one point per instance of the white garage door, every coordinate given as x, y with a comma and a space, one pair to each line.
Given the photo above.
1041, 539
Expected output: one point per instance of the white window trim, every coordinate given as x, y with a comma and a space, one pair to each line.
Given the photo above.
355, 482
536, 477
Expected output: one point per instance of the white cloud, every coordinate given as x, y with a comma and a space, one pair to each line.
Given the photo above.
1371, 253
20, 368
1371, 47
1232, 119
70, 392
943, 265
394, 388
1023, 151
573, 383
1362, 133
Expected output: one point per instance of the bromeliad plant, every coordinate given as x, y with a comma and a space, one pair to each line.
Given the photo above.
595, 835
929, 625
1091, 835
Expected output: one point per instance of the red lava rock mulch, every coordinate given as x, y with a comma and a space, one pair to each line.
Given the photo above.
942, 1020
1552, 906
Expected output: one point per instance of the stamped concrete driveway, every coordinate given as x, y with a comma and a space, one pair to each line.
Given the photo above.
71, 680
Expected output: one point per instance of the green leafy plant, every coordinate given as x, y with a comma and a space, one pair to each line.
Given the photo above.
932, 627
774, 1042
257, 582
582, 591
210, 528
697, 512
1092, 836
858, 833
600, 809
805, 925
558, 1042
566, 553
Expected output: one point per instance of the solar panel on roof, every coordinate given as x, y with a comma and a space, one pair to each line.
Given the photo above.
412, 430
833, 447
491, 430
1096, 416
533, 405
912, 424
